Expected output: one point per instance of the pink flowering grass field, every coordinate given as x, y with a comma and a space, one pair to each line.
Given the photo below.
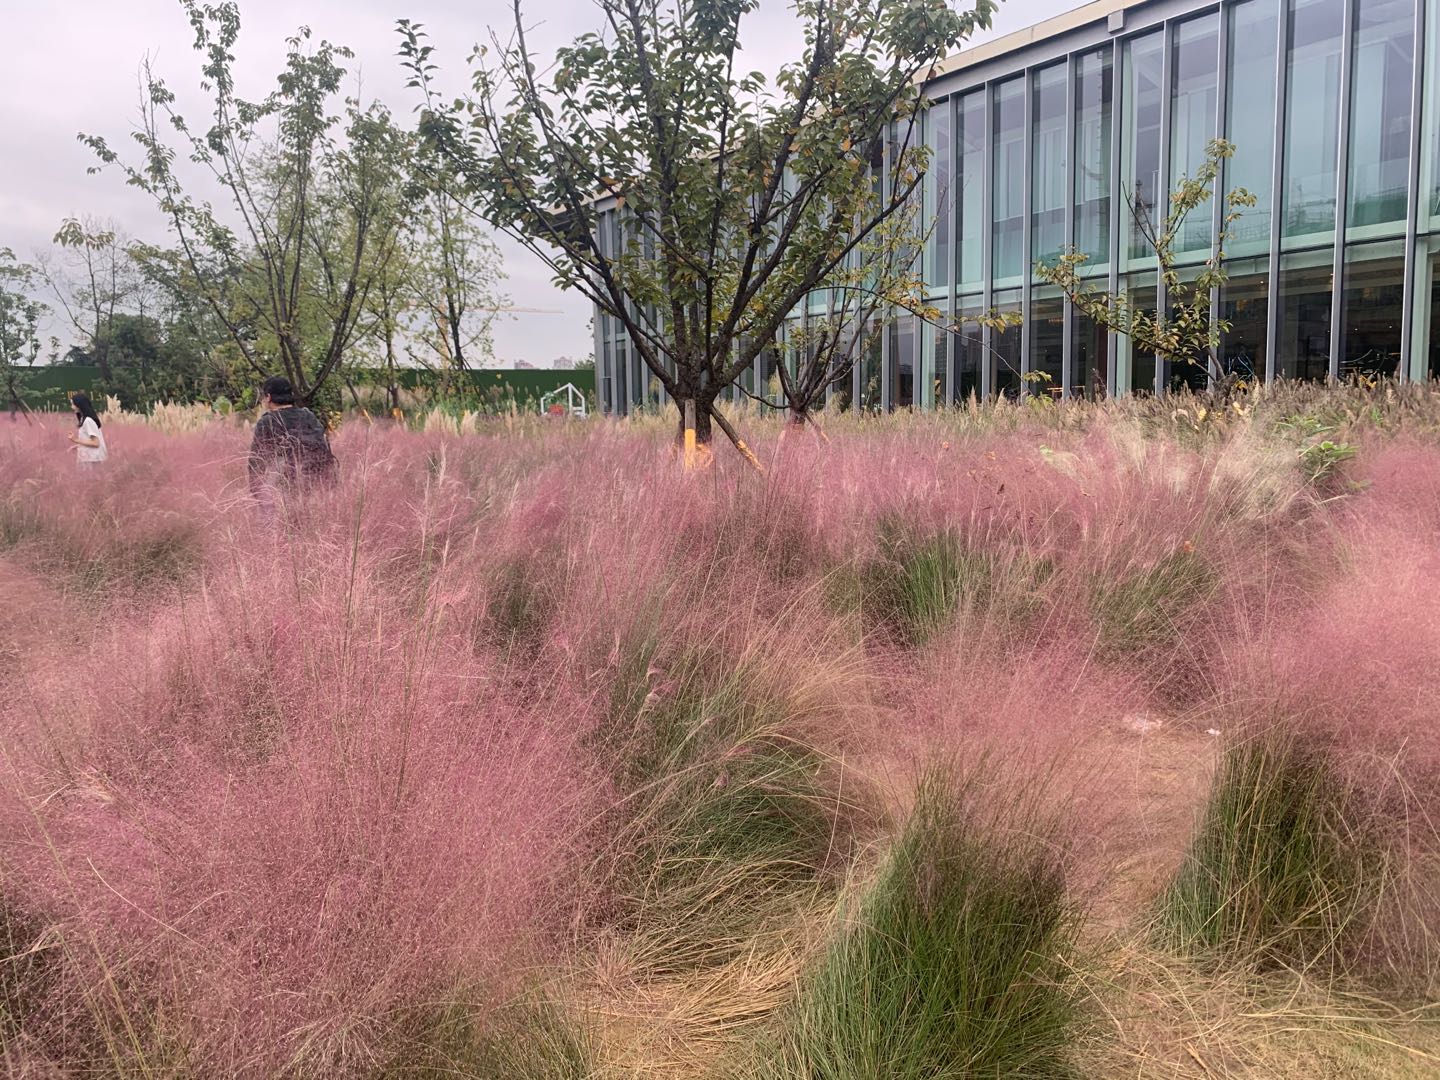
1045, 741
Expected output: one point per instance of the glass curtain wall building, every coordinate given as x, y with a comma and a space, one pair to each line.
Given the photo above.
1072, 133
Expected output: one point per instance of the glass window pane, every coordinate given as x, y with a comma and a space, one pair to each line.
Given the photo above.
869, 378
1047, 341
1192, 371
970, 199
1090, 359
1094, 87
1009, 162
939, 366
1312, 118
621, 398
1303, 349
901, 372
767, 378
1244, 304
1141, 365
1373, 318
1143, 100
939, 204
1383, 67
1193, 101
969, 345
1047, 167
1006, 345
1428, 310
1250, 123
1431, 159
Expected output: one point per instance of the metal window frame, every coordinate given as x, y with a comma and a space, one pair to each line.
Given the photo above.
1027, 231
1162, 205
1342, 189
1277, 192
1117, 87
1410, 303
987, 243
952, 103
1067, 316
1217, 216
887, 187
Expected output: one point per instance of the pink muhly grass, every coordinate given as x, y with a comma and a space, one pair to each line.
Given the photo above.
284, 811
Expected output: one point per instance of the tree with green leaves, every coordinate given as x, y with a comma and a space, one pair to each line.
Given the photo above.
738, 198
287, 265
96, 281
455, 289
1184, 333
20, 317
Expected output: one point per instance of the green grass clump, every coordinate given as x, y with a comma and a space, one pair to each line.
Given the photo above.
1285, 867
518, 608
1150, 608
725, 815
955, 963
532, 1039
918, 582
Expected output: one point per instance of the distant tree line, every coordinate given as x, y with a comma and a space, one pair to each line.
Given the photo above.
309, 235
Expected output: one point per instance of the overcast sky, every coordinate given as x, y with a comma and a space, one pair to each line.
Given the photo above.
71, 65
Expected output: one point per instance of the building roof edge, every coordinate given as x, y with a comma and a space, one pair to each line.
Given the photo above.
1054, 26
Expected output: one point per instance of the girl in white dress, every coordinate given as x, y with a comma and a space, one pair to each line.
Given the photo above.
89, 440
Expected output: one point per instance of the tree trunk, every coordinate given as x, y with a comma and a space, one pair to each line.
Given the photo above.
704, 431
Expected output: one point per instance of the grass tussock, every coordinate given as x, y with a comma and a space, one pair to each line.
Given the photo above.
918, 583
954, 964
729, 813
530, 1038
1285, 866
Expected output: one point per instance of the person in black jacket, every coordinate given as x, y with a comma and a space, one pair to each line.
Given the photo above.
290, 449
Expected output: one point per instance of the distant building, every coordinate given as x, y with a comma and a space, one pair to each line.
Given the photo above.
1037, 139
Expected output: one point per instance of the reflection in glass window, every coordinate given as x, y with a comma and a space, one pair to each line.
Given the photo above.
1303, 349
939, 366
869, 368
1093, 92
969, 345
1192, 371
1047, 341
1005, 345
1047, 167
1431, 182
1373, 317
1431, 314
1250, 123
1312, 118
622, 376
607, 376
1244, 304
767, 377
939, 199
901, 375
1383, 67
1143, 100
1141, 365
1090, 359
1193, 100
1009, 163
970, 199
